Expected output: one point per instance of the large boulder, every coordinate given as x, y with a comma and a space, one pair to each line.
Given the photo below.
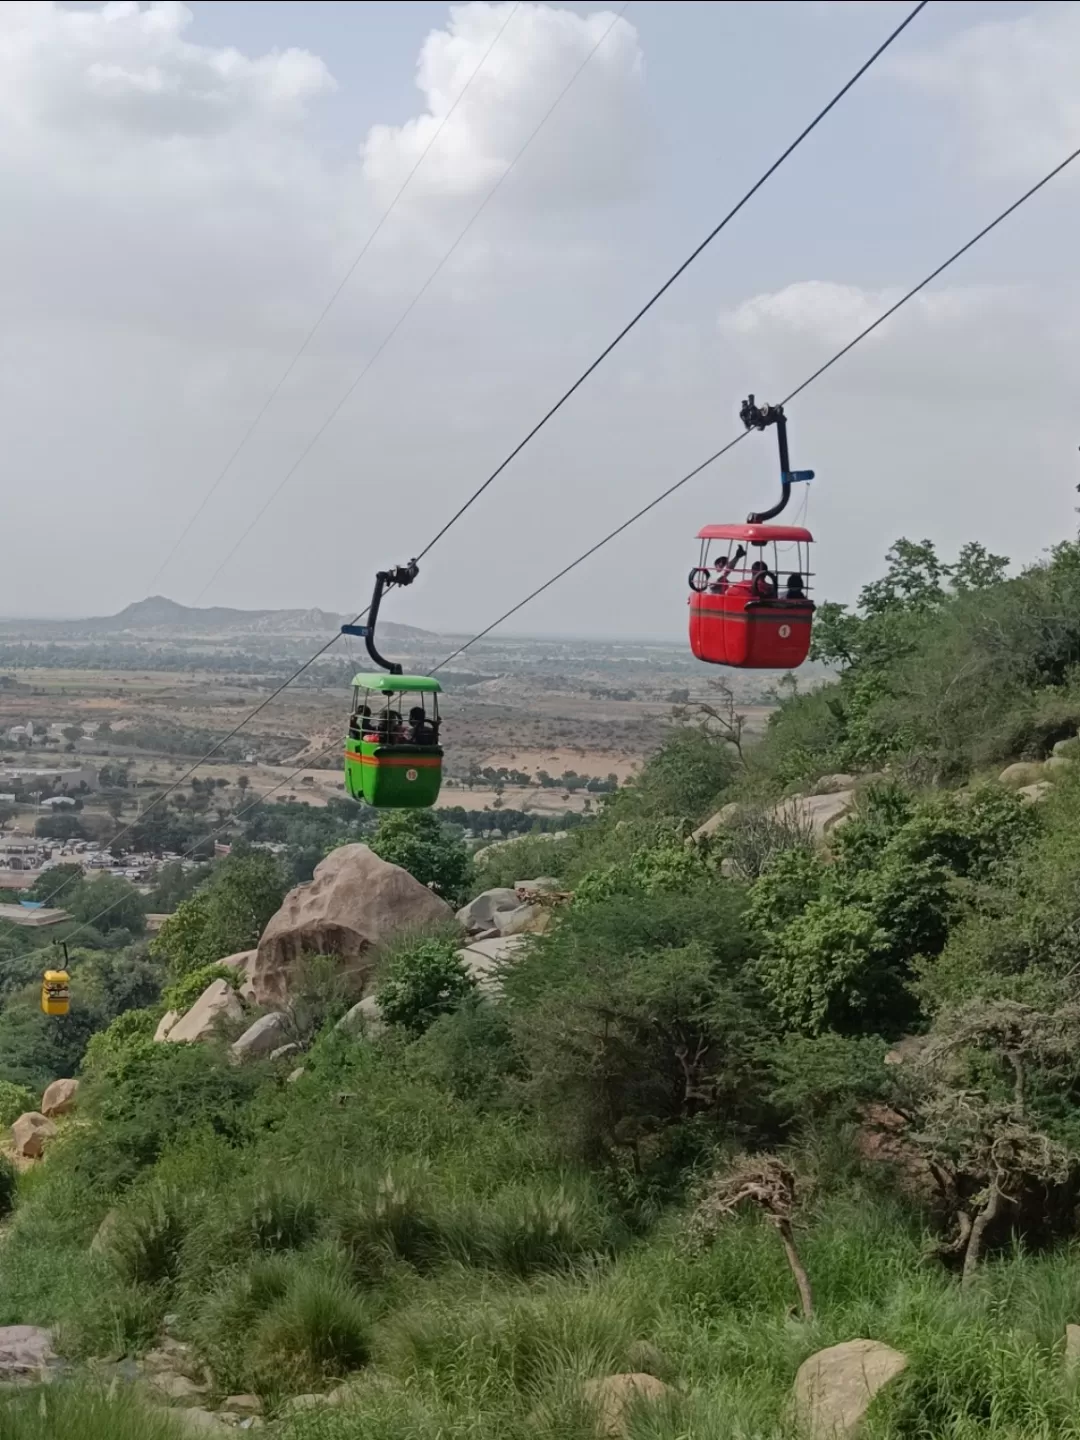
479, 914
59, 1098
243, 962
30, 1133
814, 814
834, 1388
524, 920
355, 903
831, 784
1023, 772
724, 816
613, 1398
269, 1033
365, 1018
216, 1006
165, 1024
26, 1352
483, 959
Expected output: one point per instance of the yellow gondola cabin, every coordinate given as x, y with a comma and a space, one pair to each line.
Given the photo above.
56, 992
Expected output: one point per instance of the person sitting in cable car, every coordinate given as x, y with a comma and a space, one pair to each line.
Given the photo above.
796, 590
724, 565
421, 730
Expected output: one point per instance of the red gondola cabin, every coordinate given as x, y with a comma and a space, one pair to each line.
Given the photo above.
751, 606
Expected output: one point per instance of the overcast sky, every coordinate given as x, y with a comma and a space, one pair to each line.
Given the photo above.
183, 186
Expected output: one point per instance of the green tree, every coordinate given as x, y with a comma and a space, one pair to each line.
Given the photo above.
59, 878
226, 915
420, 843
108, 903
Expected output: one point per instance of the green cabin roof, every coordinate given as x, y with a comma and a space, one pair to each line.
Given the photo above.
391, 684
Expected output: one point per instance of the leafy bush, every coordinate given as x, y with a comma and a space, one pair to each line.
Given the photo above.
9, 1185
15, 1100
225, 916
421, 980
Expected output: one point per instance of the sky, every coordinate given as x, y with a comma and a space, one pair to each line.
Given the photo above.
185, 186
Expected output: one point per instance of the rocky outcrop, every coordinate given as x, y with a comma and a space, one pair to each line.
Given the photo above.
60, 1098
479, 914
26, 1353
527, 919
615, 1397
269, 1033
30, 1134
215, 1008
355, 903
834, 1388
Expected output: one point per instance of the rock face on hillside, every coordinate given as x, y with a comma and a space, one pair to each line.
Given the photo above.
834, 1388
355, 903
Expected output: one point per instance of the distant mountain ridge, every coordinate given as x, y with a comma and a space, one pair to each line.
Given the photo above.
158, 614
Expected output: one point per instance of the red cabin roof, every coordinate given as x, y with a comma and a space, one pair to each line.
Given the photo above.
754, 534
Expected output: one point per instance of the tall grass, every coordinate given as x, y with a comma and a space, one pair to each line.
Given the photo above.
70, 1412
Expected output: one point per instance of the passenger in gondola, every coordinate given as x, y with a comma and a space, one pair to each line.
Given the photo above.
724, 565
795, 587
421, 730
762, 584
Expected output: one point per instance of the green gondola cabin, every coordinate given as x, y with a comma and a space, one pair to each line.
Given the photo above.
393, 758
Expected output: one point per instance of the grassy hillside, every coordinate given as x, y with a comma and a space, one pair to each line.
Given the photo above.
496, 1200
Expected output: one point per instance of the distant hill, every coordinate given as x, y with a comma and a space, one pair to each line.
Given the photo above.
159, 615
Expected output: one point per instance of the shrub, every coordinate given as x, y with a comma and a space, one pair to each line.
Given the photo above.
9, 1184
319, 1330
421, 980
529, 1229
386, 1218
144, 1240
15, 1100
222, 1322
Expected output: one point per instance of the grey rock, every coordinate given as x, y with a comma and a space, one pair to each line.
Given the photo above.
479, 914
26, 1351
365, 1018
268, 1033
283, 1050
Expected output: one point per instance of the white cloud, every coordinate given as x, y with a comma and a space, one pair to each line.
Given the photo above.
127, 69
593, 146
1014, 82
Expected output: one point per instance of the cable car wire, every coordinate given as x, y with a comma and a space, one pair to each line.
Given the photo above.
400, 321
295, 675
810, 379
250, 431
666, 286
